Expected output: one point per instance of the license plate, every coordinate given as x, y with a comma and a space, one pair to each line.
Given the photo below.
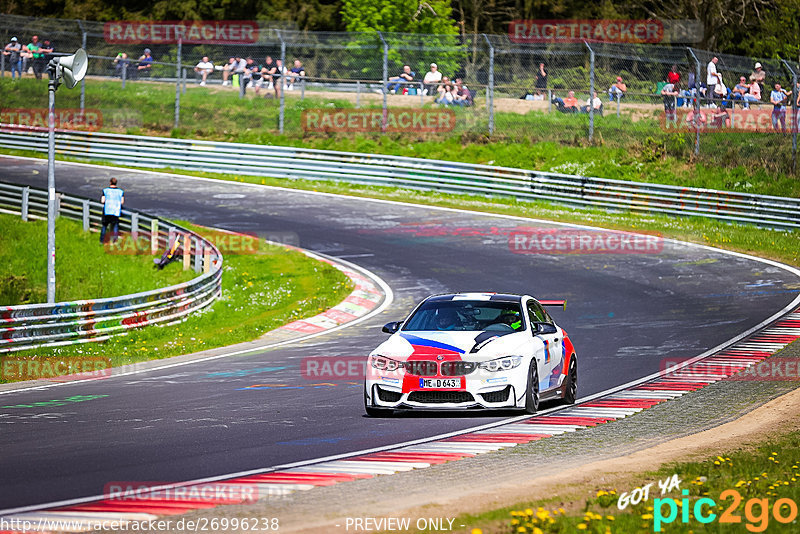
440, 383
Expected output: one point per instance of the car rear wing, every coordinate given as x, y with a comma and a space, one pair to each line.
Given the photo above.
561, 303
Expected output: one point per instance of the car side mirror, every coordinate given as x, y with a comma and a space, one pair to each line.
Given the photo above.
391, 328
544, 328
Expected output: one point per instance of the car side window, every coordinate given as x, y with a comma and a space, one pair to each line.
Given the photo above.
537, 313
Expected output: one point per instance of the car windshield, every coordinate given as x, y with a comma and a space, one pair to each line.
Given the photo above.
466, 315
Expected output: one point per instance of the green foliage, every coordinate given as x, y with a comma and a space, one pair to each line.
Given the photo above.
405, 16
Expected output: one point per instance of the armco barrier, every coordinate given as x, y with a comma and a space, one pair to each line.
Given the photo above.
50, 325
447, 176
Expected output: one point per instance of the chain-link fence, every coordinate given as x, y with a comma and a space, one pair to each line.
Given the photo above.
656, 97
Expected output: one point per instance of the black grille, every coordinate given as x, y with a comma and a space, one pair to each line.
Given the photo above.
497, 396
458, 368
440, 396
388, 396
421, 368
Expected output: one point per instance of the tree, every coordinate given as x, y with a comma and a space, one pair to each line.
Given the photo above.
404, 16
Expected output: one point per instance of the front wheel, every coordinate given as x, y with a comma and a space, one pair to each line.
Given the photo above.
571, 382
532, 391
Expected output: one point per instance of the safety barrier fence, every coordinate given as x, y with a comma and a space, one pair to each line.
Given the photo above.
50, 325
416, 173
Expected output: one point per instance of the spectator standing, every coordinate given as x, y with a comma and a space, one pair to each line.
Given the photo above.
34, 49
112, 200
541, 81
121, 62
13, 51
203, 69
617, 90
673, 76
406, 76
759, 76
431, 79
778, 100
670, 94
712, 79
298, 72
145, 67
47, 49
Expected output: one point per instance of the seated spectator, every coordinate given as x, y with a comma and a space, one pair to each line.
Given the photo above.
406, 76
595, 103
567, 105
617, 90
695, 120
446, 92
758, 75
463, 96
203, 69
778, 100
296, 73
673, 76
431, 79
145, 67
228, 70
670, 94
270, 76
719, 118
740, 90
753, 95
121, 64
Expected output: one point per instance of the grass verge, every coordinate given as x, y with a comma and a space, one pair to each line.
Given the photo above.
84, 270
623, 149
260, 292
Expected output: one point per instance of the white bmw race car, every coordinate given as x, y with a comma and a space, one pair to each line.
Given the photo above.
472, 350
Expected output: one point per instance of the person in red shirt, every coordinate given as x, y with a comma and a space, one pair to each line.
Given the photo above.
673, 76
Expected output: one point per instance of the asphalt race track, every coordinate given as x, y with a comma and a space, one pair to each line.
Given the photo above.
626, 313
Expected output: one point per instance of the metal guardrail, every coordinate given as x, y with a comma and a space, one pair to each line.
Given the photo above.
64, 323
447, 176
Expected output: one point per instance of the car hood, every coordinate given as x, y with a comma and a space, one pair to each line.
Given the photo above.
469, 346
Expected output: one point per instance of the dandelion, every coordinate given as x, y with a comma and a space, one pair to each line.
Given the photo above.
581, 526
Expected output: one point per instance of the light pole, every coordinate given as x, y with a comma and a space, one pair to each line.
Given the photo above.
72, 69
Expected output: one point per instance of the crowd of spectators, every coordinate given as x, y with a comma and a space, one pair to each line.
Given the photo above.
29, 59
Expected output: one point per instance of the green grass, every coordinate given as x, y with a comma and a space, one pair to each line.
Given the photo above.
84, 270
769, 473
260, 292
623, 149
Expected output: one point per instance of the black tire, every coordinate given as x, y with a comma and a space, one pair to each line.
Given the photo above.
571, 382
373, 412
532, 391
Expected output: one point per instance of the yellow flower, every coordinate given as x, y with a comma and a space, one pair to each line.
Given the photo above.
610, 517
528, 511
476, 531
581, 526
537, 530
647, 516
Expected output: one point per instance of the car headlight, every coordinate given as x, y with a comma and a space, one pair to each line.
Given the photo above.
383, 363
501, 364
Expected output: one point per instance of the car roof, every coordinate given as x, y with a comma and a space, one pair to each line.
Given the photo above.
496, 297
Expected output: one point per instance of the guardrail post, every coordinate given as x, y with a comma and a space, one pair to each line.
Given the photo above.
358, 94
85, 215
696, 99
178, 87
549, 100
490, 89
58, 204
187, 252
198, 255
154, 237
206, 259
591, 91
135, 227
26, 192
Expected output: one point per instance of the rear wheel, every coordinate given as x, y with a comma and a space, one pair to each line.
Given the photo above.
532, 392
571, 382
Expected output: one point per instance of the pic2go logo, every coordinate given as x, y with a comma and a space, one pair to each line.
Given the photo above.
756, 511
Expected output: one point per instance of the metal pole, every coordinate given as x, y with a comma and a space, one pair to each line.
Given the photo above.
85, 213
549, 100
51, 184
83, 81
282, 112
358, 94
490, 90
385, 78
26, 191
178, 87
696, 101
124, 73
591, 91
421, 96
183, 79
618, 95
302, 89
794, 118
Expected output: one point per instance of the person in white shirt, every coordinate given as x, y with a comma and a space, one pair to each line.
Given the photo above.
594, 102
432, 79
203, 69
712, 79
